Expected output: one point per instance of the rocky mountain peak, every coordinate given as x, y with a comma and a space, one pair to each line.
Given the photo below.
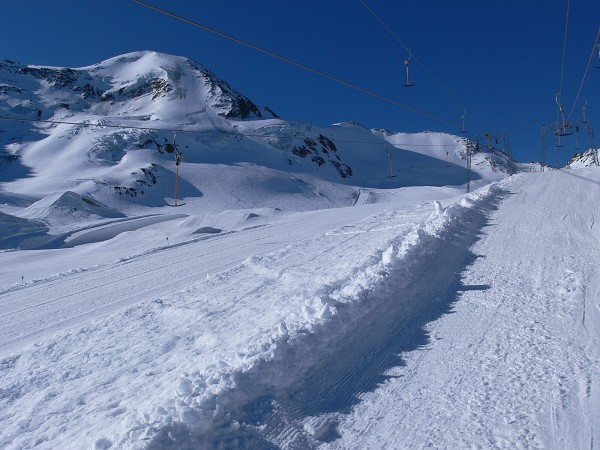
143, 76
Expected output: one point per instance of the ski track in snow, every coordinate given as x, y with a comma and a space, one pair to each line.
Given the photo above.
516, 364
54, 302
469, 325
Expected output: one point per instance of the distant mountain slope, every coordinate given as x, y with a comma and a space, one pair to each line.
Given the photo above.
588, 158
127, 83
115, 144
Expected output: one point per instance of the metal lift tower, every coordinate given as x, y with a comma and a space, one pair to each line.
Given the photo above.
559, 130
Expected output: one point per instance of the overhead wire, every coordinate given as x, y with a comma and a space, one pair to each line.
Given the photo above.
296, 63
585, 73
562, 70
431, 75
102, 124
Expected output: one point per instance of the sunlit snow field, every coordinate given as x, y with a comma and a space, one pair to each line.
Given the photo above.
289, 302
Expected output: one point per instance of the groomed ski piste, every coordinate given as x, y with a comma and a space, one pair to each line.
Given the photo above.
470, 321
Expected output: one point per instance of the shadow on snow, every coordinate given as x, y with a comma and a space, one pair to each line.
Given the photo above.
294, 400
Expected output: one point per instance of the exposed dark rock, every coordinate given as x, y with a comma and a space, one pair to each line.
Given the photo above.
302, 152
235, 105
327, 144
344, 170
6, 89
59, 78
242, 108
319, 147
88, 91
319, 160
158, 87
122, 190
150, 176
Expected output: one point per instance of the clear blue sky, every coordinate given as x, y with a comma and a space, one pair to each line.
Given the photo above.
499, 58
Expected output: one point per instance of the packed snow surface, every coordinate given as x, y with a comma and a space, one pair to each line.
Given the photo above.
422, 318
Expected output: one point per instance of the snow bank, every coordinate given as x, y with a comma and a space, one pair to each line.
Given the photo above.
185, 370
513, 361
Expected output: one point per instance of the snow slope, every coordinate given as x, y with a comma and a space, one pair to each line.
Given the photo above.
472, 321
517, 363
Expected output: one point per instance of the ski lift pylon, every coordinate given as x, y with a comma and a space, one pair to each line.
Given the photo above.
463, 121
389, 155
406, 63
178, 160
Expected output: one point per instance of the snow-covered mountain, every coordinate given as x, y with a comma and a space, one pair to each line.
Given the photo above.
233, 149
579, 160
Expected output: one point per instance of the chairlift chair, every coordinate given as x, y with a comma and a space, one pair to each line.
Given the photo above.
406, 63
566, 130
561, 109
463, 122
558, 143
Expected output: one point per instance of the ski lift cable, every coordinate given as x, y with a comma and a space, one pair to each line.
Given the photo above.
562, 70
295, 63
208, 133
418, 61
587, 69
